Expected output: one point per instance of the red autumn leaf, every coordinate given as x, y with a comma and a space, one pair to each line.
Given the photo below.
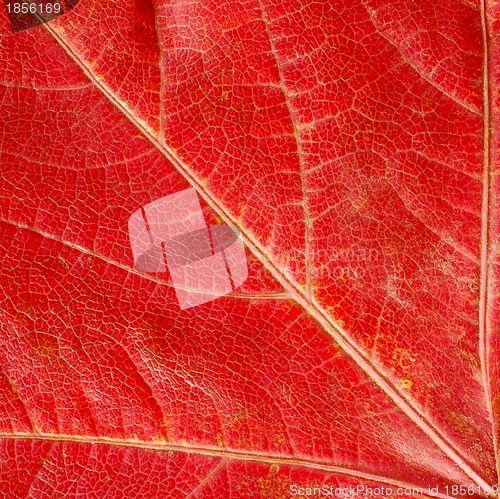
354, 146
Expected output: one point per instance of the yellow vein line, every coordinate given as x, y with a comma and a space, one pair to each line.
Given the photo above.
415, 68
305, 205
485, 230
220, 453
150, 277
207, 479
160, 64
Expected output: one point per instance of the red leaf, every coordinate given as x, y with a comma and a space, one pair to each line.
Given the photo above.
354, 146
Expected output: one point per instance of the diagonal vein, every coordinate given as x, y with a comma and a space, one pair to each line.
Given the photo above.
144, 275
213, 473
222, 454
454, 98
310, 306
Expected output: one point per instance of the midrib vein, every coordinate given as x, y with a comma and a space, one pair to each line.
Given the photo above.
296, 292
485, 228
223, 454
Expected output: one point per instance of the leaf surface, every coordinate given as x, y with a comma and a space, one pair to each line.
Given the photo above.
355, 148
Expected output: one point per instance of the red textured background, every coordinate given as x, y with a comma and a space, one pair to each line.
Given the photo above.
355, 147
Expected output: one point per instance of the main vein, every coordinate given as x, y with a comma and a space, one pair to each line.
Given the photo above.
296, 292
